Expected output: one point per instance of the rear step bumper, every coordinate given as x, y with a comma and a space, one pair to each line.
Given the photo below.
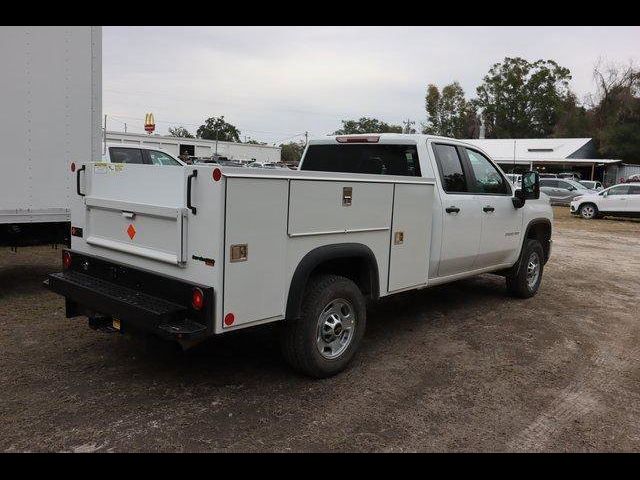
87, 293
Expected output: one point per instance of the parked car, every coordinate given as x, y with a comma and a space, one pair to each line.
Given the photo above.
205, 250
561, 191
514, 178
548, 175
570, 175
620, 200
138, 154
592, 184
271, 165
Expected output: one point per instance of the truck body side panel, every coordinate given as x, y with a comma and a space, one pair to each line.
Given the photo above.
410, 236
256, 220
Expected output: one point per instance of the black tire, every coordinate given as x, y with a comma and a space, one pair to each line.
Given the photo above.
519, 283
588, 211
299, 338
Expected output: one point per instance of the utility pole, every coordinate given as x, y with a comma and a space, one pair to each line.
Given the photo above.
408, 122
125, 127
306, 138
104, 136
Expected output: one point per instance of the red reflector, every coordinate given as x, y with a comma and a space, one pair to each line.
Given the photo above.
66, 259
73, 166
229, 319
197, 299
217, 174
363, 139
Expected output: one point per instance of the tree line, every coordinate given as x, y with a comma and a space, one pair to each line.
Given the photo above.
516, 99
522, 99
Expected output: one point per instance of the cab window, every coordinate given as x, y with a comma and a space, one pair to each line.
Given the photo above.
378, 159
161, 158
619, 190
126, 155
451, 173
487, 178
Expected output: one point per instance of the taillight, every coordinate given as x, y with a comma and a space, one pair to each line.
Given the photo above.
66, 259
197, 299
359, 139
217, 174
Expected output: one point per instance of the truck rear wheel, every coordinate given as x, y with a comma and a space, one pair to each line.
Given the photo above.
325, 338
526, 281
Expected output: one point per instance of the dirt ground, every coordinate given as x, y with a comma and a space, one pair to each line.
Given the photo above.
454, 368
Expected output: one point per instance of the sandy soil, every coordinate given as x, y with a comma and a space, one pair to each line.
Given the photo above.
460, 367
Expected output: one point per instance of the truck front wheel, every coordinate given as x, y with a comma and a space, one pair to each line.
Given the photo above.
525, 282
328, 333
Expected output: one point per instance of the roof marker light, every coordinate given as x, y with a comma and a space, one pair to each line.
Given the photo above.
359, 139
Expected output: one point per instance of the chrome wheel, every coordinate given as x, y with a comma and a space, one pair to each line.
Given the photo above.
533, 270
588, 211
336, 327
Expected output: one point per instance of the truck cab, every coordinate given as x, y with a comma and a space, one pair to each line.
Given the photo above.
478, 225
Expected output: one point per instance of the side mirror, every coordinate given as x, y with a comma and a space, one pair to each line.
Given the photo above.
530, 189
518, 198
531, 185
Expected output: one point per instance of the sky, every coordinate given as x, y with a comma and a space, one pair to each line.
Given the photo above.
275, 83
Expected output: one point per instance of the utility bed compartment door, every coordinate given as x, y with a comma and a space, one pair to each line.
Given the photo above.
325, 207
410, 236
256, 225
149, 231
137, 209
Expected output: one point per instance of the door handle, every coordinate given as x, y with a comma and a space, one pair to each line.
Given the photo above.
452, 209
81, 169
488, 208
189, 178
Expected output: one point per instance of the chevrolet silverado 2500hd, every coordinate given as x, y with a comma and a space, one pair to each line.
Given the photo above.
190, 252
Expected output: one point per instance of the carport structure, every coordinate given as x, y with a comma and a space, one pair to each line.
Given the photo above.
550, 155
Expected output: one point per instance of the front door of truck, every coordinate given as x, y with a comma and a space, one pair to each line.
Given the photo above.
461, 220
501, 221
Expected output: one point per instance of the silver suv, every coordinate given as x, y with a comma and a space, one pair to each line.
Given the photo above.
562, 190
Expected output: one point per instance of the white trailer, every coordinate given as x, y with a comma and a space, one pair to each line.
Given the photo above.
50, 118
190, 252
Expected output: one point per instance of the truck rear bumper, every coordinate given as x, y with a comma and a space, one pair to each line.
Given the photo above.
168, 315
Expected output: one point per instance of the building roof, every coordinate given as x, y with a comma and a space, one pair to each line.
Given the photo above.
179, 140
530, 149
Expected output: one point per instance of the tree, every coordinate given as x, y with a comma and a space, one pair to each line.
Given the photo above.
449, 113
522, 99
615, 110
179, 132
255, 142
291, 152
366, 125
215, 128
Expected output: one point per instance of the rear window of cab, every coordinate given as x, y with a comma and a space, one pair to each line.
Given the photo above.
378, 159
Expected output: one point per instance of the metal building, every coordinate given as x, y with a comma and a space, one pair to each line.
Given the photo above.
197, 147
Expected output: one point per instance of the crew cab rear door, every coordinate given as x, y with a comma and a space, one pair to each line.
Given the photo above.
461, 217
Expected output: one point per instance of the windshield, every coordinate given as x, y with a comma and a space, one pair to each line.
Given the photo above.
579, 186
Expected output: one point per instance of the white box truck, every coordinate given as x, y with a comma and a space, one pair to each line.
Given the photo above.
191, 252
50, 114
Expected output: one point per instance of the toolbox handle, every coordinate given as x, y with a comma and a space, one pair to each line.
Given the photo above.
83, 167
189, 178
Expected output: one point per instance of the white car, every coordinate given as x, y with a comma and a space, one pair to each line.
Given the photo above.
620, 200
138, 154
514, 178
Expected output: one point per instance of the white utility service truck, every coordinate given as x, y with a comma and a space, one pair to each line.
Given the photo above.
190, 252
50, 114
